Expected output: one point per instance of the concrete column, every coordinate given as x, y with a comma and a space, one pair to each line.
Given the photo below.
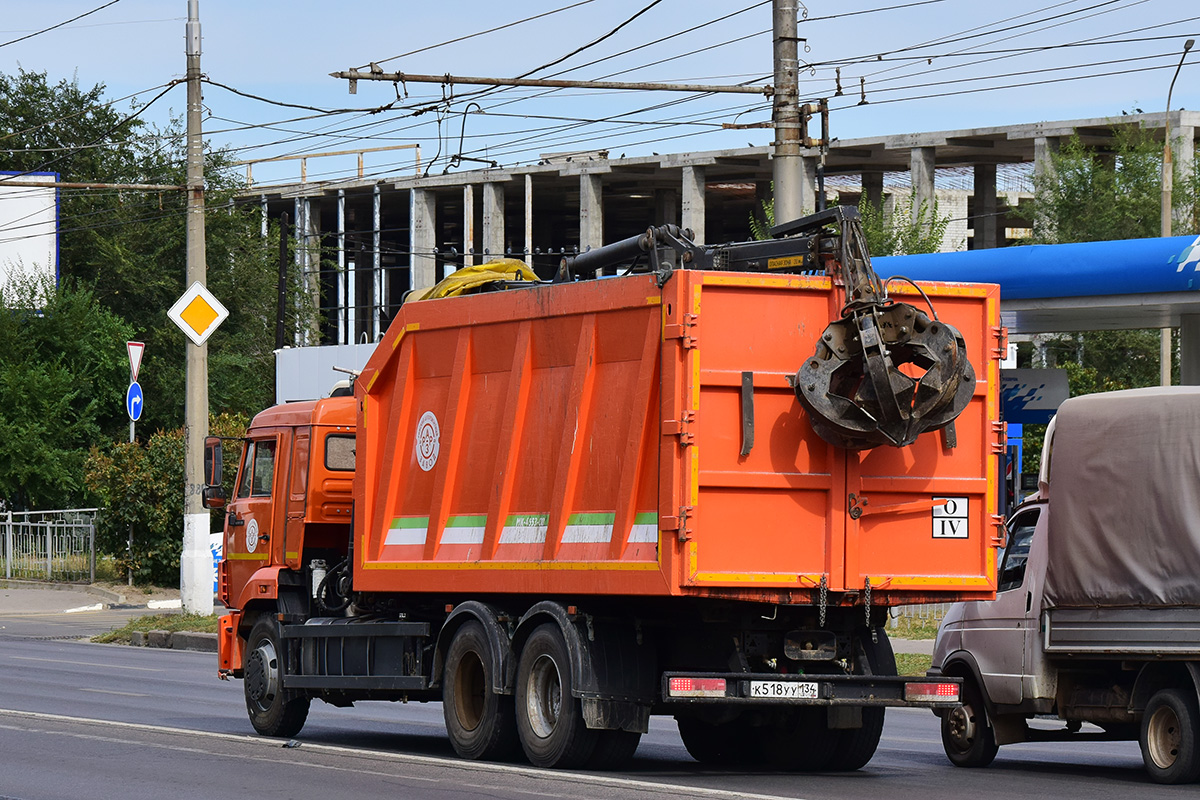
987, 217
422, 261
1044, 149
666, 207
591, 211
493, 221
263, 228
377, 263
468, 225
692, 205
343, 304
872, 186
921, 160
1183, 155
1189, 350
808, 188
529, 220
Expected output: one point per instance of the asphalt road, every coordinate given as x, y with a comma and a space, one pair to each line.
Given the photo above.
84, 720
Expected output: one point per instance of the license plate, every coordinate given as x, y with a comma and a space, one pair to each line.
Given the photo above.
784, 689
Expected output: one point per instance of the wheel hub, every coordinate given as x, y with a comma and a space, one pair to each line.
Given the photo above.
262, 674
544, 697
1163, 736
961, 724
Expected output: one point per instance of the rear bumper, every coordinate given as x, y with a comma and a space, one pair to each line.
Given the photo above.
810, 690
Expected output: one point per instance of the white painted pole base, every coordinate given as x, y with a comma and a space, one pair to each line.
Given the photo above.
195, 566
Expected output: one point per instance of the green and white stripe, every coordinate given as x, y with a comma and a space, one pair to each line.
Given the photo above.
645, 529
525, 529
408, 530
589, 528
464, 530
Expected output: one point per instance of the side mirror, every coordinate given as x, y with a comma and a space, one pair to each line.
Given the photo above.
212, 461
213, 497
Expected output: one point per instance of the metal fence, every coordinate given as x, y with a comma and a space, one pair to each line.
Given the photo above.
931, 612
49, 545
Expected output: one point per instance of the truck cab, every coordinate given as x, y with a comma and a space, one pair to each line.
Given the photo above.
290, 506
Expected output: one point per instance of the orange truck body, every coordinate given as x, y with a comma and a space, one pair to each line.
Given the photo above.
587, 440
591, 501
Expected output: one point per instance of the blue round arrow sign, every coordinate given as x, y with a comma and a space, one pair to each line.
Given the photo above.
134, 401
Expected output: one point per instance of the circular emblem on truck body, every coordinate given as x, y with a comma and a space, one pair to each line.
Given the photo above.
427, 445
251, 535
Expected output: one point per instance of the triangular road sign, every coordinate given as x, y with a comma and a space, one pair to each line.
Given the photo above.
135, 359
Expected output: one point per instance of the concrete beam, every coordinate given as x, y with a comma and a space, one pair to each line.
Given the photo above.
692, 205
987, 216
591, 212
921, 160
493, 221
423, 239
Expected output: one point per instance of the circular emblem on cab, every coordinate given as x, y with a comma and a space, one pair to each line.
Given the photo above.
251, 535
426, 445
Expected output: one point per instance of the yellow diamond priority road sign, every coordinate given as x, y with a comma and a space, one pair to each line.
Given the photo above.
198, 313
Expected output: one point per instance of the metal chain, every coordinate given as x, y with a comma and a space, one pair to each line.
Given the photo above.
824, 598
867, 612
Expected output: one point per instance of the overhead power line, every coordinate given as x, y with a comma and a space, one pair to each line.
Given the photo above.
59, 25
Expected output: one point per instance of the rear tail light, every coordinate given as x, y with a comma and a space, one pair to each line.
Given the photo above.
696, 687
930, 692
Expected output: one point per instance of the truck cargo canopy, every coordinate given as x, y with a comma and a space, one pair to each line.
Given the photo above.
1124, 527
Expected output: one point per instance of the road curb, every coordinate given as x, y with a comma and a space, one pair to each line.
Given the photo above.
179, 640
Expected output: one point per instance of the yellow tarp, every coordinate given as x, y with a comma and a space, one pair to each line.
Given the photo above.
469, 278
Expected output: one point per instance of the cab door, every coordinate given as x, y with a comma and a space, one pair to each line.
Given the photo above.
998, 632
249, 526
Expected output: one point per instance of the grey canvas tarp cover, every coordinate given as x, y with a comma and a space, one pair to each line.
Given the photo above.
1124, 526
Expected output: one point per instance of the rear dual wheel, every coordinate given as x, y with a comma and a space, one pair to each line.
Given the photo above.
480, 722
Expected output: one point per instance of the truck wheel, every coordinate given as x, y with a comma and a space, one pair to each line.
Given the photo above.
479, 721
856, 746
967, 734
801, 742
1170, 729
273, 710
725, 744
549, 718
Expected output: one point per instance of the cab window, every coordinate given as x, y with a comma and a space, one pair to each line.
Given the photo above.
243, 489
264, 469
1016, 553
339, 452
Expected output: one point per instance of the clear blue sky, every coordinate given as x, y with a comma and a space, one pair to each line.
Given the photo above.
933, 53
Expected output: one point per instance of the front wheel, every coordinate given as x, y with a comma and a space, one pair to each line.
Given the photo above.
273, 710
1170, 729
967, 734
549, 716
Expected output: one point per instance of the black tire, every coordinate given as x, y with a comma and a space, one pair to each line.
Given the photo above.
481, 723
614, 749
967, 734
273, 710
856, 746
801, 741
549, 716
1169, 734
719, 745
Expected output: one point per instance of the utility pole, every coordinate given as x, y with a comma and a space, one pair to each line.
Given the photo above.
195, 564
787, 166
1167, 205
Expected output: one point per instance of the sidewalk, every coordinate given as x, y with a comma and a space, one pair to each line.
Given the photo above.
33, 610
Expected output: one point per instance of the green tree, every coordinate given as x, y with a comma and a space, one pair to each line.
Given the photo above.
141, 489
63, 373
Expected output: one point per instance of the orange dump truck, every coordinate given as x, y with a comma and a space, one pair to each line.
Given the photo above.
560, 507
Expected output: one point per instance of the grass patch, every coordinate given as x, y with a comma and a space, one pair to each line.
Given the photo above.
913, 628
196, 623
912, 663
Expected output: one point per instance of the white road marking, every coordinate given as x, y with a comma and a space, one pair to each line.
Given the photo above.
432, 761
110, 691
176, 603
76, 610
